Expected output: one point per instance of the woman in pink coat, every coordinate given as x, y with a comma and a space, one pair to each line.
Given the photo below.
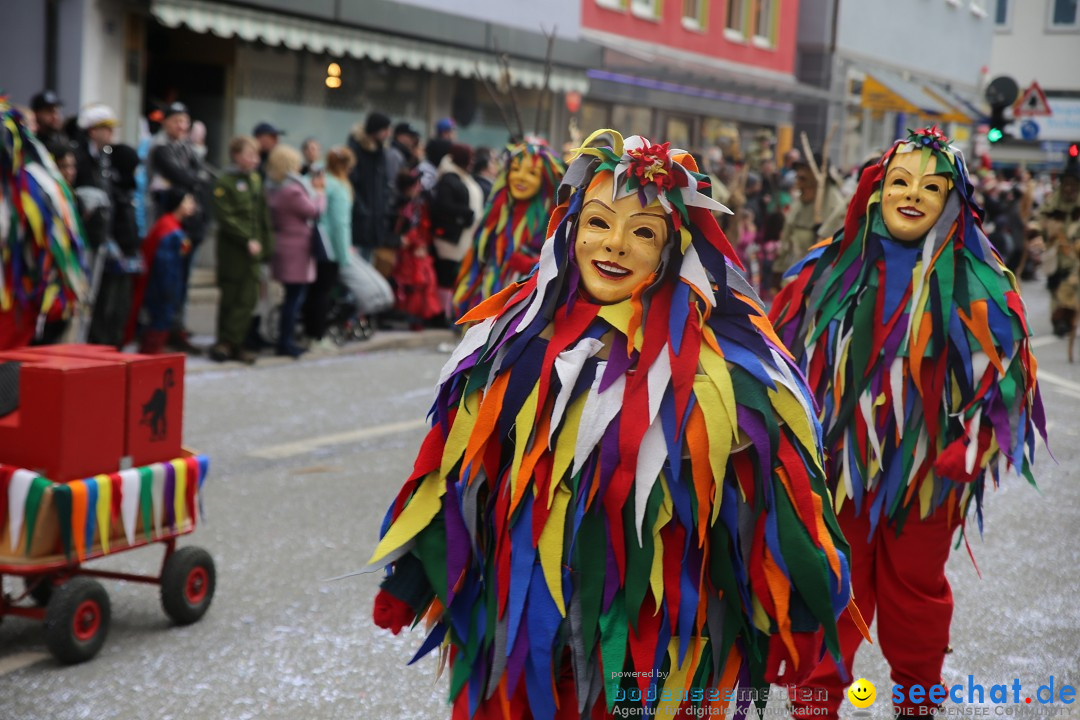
295, 207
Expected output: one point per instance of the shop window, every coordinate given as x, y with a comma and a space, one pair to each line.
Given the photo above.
765, 18
1063, 15
735, 23
593, 117
632, 120
648, 9
694, 14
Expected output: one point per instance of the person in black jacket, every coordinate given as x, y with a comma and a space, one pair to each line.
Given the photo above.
455, 208
371, 186
174, 163
47, 108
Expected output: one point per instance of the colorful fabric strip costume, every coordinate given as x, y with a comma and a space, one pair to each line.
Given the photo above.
620, 503
917, 352
41, 238
507, 244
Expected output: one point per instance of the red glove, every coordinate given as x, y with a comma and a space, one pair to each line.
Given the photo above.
951, 462
521, 263
392, 614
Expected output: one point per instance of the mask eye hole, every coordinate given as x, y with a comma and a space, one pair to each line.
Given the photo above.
599, 223
645, 233
899, 182
933, 187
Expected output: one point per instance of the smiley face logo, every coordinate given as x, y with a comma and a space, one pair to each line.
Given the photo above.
862, 693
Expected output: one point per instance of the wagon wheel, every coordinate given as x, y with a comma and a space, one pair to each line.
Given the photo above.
187, 584
77, 620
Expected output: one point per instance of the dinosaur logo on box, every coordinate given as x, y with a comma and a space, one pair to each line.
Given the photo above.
153, 410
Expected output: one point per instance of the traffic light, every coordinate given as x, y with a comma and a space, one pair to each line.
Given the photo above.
997, 124
1074, 151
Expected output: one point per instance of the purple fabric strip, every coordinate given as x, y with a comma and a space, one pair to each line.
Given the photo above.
169, 495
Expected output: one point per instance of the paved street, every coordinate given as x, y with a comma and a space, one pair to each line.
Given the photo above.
305, 459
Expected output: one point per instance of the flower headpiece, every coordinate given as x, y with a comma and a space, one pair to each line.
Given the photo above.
653, 172
930, 137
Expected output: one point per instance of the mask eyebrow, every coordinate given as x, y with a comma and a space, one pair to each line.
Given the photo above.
598, 202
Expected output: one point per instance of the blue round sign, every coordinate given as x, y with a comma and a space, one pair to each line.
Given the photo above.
1029, 130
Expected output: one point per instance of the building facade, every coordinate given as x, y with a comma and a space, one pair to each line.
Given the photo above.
1052, 26
889, 66
698, 73
314, 68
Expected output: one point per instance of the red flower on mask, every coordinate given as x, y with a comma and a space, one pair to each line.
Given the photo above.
391, 613
652, 164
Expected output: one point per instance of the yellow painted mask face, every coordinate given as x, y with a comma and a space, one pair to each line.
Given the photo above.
525, 177
619, 243
912, 197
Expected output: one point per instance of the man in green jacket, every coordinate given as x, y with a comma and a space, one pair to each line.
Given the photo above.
243, 244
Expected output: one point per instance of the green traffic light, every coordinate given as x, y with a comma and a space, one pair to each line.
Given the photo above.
994, 135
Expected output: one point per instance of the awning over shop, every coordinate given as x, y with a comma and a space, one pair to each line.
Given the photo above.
885, 92
320, 37
954, 111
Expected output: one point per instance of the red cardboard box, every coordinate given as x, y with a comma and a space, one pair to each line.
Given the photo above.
154, 399
69, 423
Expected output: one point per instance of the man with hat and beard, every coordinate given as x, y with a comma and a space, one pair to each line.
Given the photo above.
174, 163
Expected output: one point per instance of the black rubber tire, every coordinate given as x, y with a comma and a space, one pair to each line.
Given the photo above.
40, 587
188, 564
71, 611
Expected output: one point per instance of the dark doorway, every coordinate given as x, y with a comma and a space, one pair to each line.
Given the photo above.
192, 68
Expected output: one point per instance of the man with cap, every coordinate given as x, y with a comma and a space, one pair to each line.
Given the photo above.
371, 184
266, 135
401, 155
446, 129
50, 121
105, 174
174, 163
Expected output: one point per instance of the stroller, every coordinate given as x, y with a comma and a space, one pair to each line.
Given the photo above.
345, 322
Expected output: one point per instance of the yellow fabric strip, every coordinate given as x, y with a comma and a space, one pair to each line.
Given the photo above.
416, 516
551, 546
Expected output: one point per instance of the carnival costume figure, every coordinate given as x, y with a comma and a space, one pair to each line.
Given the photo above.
621, 502
913, 337
41, 238
506, 246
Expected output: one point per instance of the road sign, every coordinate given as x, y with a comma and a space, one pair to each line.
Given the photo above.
1032, 103
1063, 124
1029, 130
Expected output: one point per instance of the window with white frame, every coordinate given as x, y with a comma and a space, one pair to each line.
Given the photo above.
735, 23
646, 8
1064, 14
693, 14
765, 22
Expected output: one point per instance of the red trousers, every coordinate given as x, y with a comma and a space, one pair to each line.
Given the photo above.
903, 580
